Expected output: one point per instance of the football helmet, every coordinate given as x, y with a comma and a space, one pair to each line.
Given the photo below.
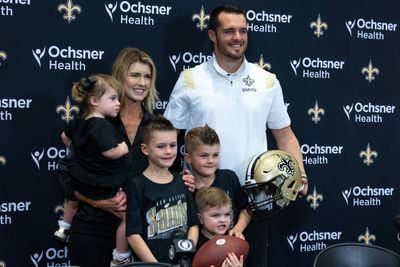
273, 180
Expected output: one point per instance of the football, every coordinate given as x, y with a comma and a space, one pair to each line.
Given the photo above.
215, 250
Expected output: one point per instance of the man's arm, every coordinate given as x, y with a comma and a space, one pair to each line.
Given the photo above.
287, 141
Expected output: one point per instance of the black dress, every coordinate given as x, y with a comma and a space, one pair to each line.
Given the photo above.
92, 237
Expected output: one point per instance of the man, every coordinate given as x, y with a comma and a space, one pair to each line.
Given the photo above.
239, 100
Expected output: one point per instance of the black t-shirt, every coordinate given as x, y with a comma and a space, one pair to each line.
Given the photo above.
228, 181
157, 211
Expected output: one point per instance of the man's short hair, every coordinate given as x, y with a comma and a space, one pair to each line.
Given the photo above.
213, 23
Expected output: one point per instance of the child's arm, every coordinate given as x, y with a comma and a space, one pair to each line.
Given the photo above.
116, 152
232, 261
141, 249
243, 221
193, 234
65, 139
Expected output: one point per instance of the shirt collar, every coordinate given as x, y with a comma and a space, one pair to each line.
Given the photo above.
222, 72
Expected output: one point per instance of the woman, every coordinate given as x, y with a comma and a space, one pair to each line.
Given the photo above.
93, 229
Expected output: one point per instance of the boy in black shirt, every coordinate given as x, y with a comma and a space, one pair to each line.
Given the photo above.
159, 204
202, 153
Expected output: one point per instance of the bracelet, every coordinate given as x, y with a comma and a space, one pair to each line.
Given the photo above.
304, 175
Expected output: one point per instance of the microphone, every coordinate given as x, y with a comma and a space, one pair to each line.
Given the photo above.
181, 250
396, 223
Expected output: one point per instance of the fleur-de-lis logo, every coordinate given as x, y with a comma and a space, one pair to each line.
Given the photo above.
3, 56
316, 112
318, 25
59, 209
202, 18
69, 8
248, 81
287, 165
370, 71
3, 160
369, 154
262, 64
367, 237
314, 198
67, 109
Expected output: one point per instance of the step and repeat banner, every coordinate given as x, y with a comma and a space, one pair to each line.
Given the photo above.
338, 64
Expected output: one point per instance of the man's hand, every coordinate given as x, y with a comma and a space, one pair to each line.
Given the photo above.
112, 205
303, 191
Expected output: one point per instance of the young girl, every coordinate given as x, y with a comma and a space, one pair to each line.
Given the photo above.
99, 165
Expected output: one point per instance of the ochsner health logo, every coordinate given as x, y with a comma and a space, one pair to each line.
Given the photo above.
51, 257
135, 13
369, 28
65, 58
366, 196
311, 241
48, 158
367, 112
185, 60
315, 68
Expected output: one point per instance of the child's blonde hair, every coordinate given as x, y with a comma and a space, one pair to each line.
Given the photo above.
200, 136
210, 197
94, 85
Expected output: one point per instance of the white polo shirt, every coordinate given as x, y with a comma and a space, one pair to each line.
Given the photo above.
238, 106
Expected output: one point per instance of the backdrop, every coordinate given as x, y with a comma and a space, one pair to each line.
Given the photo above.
337, 61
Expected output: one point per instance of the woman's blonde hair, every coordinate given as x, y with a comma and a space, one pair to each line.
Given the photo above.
124, 60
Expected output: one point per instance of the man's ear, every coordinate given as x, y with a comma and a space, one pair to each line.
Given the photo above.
144, 149
212, 35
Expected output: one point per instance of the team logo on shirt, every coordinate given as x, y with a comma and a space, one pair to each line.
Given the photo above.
201, 19
370, 71
319, 26
67, 109
70, 10
248, 81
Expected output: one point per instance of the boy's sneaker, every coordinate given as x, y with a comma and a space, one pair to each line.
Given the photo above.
62, 235
116, 262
